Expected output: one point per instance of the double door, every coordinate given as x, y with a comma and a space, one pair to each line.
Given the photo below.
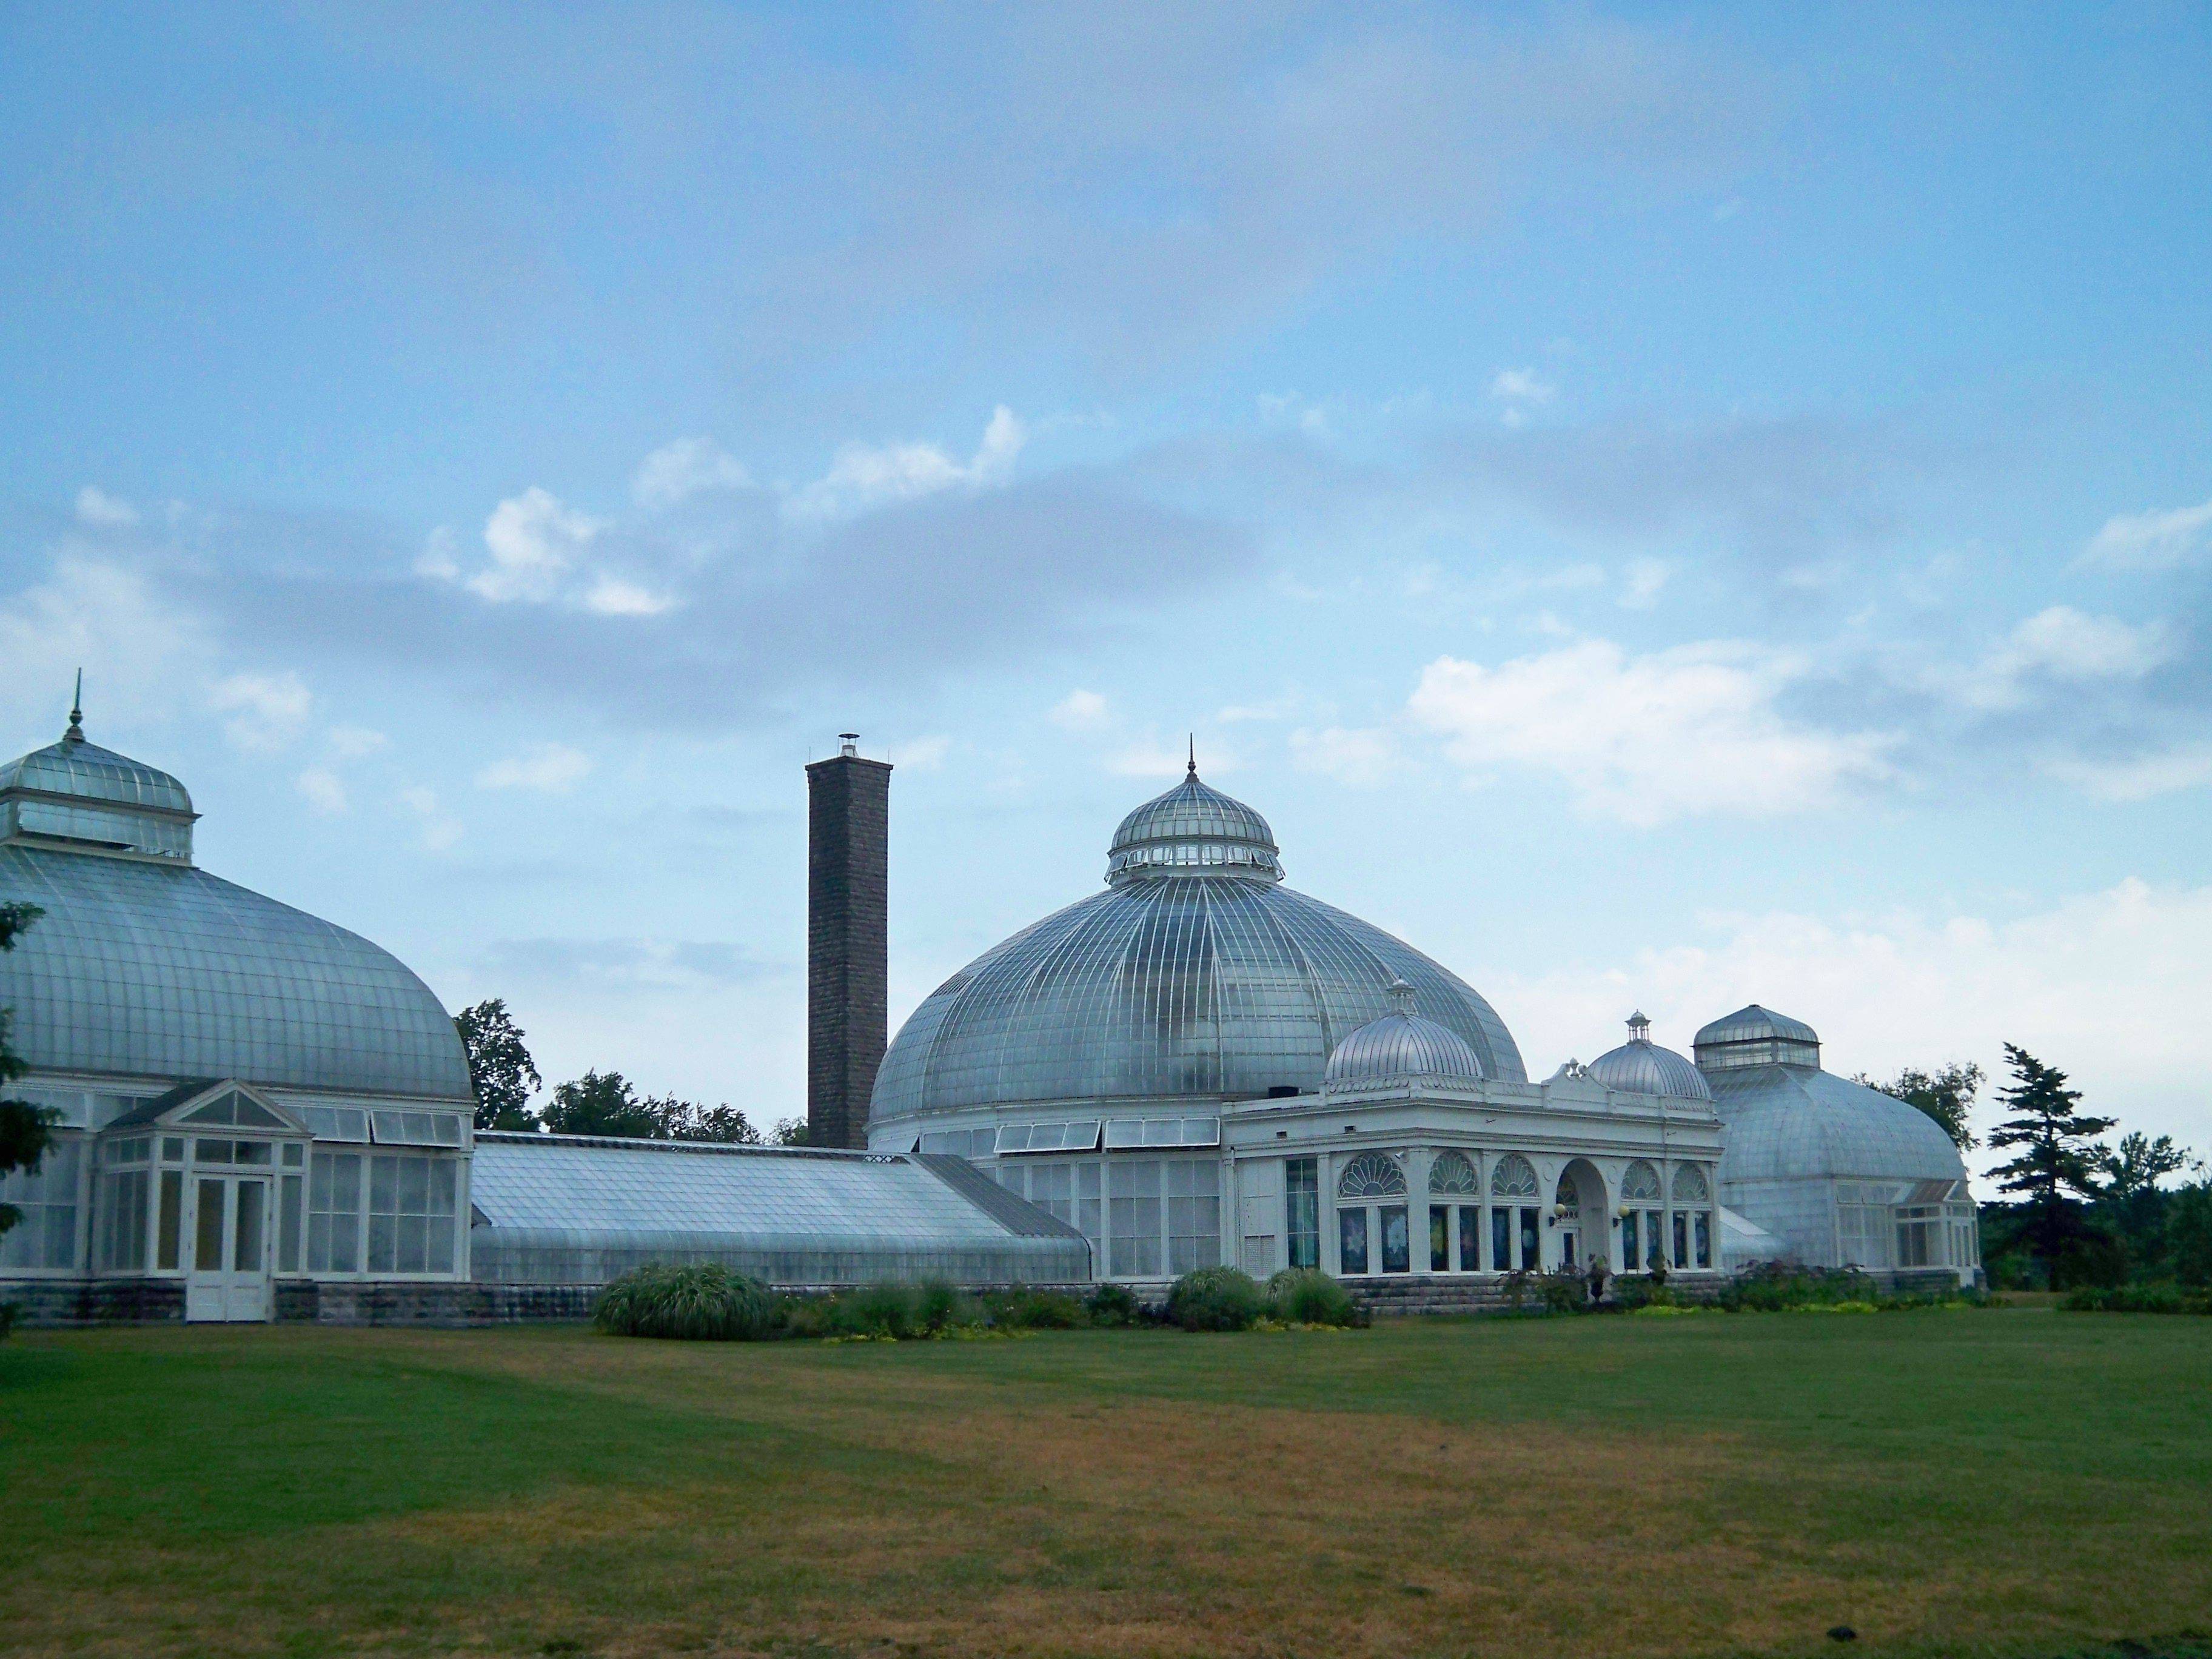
229, 1276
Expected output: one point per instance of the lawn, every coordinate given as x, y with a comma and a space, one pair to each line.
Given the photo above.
2009, 1482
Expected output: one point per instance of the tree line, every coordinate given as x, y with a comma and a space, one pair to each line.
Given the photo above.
2077, 1212
599, 1103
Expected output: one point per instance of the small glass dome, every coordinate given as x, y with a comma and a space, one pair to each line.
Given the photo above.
1192, 830
1753, 1036
77, 793
1642, 1067
1399, 1047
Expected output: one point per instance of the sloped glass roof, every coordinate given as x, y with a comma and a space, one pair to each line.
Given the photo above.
1795, 1122
154, 968
567, 1209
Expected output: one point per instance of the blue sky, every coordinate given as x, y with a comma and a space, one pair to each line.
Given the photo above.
1658, 505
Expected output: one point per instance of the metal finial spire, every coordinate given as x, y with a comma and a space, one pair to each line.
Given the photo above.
75, 732
1639, 1028
1194, 754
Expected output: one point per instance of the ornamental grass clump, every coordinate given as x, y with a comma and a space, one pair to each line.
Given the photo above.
701, 1303
1307, 1296
1216, 1299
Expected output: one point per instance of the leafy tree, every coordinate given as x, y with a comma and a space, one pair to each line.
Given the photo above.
500, 1068
605, 1103
2056, 1165
602, 1104
22, 1126
1947, 1096
2189, 1233
789, 1132
681, 1121
2140, 1164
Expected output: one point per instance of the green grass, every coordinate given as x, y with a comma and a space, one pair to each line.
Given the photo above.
2000, 1482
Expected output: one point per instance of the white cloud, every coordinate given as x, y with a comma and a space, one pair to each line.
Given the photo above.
920, 754
2105, 985
353, 742
865, 475
1081, 711
324, 790
677, 470
2153, 540
1520, 389
1641, 581
610, 596
1521, 386
134, 647
1650, 739
533, 539
1150, 758
2058, 643
548, 768
2142, 777
439, 831
266, 711
1359, 757
101, 511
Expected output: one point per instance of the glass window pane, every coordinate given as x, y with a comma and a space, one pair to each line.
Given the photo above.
288, 1227
208, 1229
1351, 1239
1397, 1252
252, 1200
1439, 1238
1532, 1248
1470, 1238
167, 1231
1501, 1241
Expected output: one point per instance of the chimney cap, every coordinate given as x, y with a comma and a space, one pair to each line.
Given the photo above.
849, 742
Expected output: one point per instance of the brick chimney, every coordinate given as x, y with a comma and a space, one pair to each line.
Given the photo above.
848, 808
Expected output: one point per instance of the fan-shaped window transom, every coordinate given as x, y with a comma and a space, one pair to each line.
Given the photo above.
1452, 1173
1640, 1184
1514, 1176
1690, 1185
1371, 1175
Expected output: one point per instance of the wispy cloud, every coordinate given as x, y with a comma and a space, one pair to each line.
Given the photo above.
866, 476
546, 767
1646, 739
2153, 540
685, 467
101, 511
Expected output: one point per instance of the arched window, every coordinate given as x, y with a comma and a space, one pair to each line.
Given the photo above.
1690, 1185
1569, 1195
1513, 1176
1640, 1185
1452, 1173
1371, 1175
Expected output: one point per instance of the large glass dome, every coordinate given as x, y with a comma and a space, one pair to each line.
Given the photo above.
1195, 976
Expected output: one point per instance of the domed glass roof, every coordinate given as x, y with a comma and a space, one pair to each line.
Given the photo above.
143, 967
1196, 973
1192, 830
1400, 1046
1642, 1067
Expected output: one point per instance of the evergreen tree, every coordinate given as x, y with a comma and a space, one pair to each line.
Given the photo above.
500, 1067
2057, 1164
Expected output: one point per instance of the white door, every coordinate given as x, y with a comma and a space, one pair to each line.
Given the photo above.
229, 1276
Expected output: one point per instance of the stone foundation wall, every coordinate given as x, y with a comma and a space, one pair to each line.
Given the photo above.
1429, 1293
67, 1302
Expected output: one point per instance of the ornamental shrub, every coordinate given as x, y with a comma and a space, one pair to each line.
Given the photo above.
1036, 1310
705, 1303
1216, 1299
893, 1310
1307, 1296
1112, 1305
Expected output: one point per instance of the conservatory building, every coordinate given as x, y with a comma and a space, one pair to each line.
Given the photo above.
1841, 1174
249, 1103
1200, 1065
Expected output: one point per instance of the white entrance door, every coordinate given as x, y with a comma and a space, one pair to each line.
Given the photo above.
228, 1278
